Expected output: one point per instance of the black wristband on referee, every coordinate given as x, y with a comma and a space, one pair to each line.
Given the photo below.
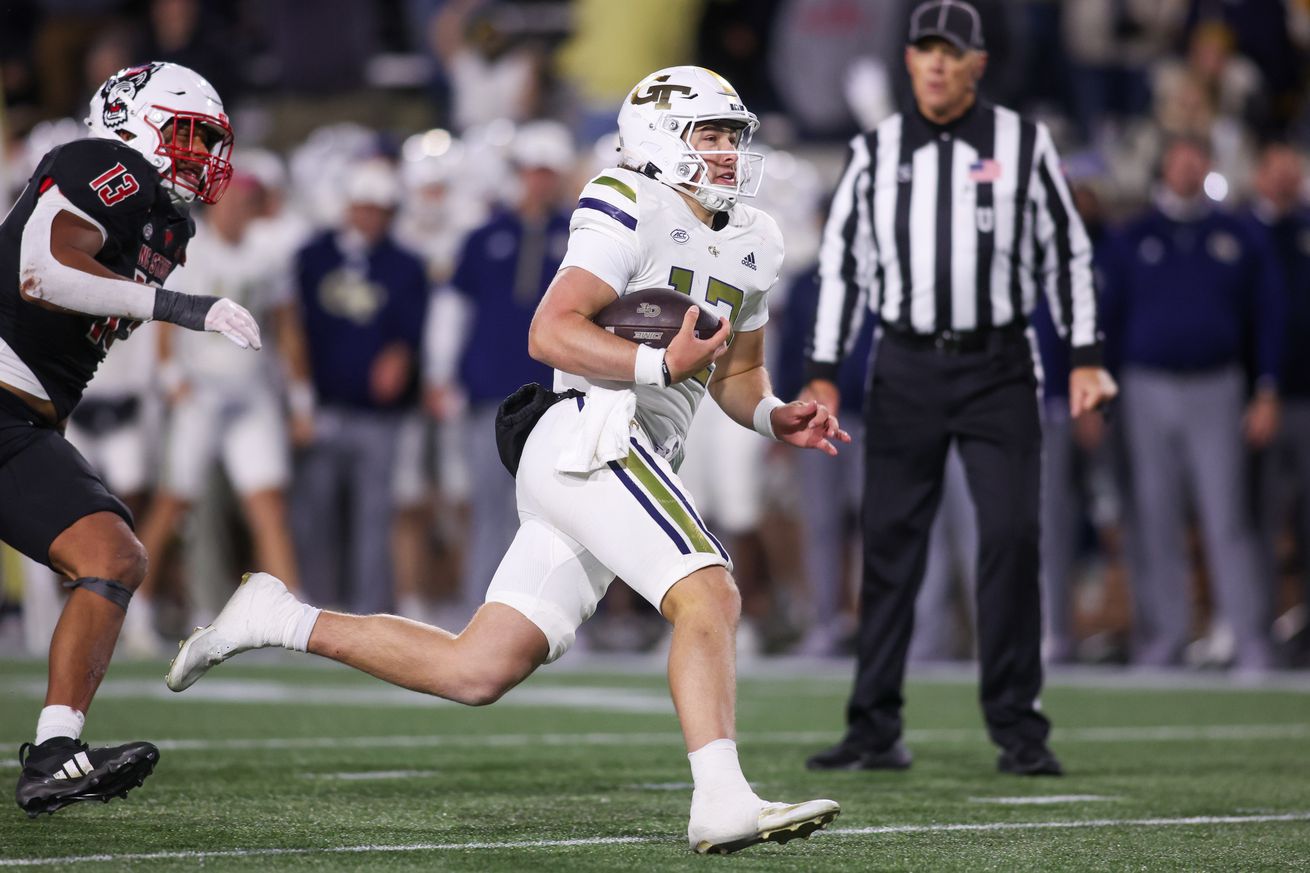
664, 367
184, 310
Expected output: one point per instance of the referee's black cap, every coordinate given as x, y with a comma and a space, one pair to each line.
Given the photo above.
955, 21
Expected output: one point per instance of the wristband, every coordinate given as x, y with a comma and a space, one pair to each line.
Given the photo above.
184, 310
650, 368
763, 420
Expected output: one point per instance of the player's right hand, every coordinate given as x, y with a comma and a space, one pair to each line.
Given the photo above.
234, 322
687, 355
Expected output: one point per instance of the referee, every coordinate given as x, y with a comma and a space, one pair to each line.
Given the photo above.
946, 220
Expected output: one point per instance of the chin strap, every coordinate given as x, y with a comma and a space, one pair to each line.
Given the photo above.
115, 592
714, 201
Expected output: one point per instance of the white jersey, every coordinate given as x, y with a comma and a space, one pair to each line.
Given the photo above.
634, 233
247, 273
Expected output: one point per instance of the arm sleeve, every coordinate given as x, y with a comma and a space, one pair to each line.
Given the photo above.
1064, 256
844, 254
43, 277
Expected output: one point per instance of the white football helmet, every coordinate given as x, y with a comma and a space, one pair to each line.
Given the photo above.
657, 121
175, 119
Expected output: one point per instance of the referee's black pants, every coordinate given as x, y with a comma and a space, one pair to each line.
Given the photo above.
920, 399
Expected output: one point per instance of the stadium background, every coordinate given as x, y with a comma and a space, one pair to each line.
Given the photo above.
439, 89
285, 763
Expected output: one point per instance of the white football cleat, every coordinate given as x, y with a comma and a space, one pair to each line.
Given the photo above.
724, 831
254, 617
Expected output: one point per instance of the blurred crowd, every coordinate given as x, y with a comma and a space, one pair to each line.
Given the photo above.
405, 172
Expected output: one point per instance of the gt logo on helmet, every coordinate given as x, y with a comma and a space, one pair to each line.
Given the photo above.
661, 95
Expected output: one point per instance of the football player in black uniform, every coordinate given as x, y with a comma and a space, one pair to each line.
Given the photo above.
84, 254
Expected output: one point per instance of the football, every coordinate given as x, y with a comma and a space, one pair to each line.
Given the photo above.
652, 316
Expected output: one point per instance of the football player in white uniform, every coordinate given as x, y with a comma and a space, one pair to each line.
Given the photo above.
226, 407
597, 490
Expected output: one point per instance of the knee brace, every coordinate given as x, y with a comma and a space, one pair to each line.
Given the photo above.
115, 592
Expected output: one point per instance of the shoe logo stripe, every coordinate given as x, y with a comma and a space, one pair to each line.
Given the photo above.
75, 767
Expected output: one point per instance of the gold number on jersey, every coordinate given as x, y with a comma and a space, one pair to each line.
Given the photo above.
715, 291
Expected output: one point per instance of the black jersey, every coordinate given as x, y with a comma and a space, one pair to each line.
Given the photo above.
146, 234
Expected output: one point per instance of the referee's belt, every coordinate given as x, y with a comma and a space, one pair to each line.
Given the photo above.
957, 342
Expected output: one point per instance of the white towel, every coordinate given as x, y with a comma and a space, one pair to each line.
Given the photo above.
603, 431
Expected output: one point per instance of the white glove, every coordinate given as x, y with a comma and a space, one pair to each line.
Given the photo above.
234, 322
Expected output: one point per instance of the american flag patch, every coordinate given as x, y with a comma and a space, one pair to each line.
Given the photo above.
984, 171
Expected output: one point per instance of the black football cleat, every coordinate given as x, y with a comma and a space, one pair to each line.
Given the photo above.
1030, 761
61, 771
846, 757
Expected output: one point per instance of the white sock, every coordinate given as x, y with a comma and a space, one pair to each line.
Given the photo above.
59, 721
289, 622
299, 641
716, 772
298, 624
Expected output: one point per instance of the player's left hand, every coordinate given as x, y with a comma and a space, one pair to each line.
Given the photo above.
235, 323
808, 424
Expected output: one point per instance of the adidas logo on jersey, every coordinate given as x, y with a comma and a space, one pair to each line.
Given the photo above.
749, 261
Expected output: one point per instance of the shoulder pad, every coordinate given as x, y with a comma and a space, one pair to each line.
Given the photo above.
613, 193
102, 177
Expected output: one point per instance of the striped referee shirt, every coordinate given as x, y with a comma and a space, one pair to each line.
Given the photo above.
950, 228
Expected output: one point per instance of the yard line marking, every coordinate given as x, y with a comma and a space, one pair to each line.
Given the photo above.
1157, 733
600, 699
1042, 799
664, 786
1061, 825
369, 775
612, 841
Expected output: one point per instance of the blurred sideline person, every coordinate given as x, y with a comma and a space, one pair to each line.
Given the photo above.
1187, 287
476, 339
438, 211
949, 219
112, 426
1075, 461
115, 427
437, 214
224, 405
829, 488
362, 300
722, 472
1280, 211
596, 482
96, 215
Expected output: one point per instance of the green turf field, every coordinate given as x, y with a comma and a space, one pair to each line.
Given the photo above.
292, 764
